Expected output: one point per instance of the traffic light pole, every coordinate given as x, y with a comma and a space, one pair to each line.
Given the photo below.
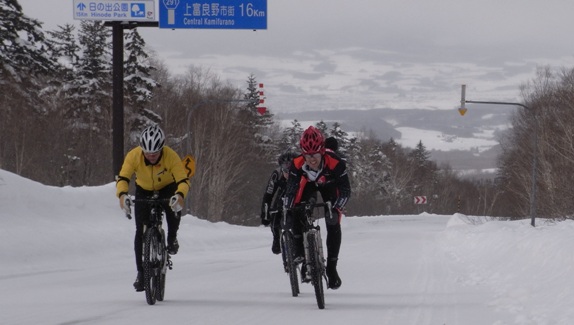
463, 101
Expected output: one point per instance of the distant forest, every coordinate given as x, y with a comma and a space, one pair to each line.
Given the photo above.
56, 128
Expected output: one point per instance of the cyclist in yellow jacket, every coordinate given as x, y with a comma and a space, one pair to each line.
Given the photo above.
158, 168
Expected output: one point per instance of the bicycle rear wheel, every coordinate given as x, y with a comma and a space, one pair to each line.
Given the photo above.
289, 262
151, 264
316, 265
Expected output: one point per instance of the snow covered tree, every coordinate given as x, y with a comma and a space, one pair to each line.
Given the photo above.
65, 45
139, 85
90, 102
66, 51
291, 137
342, 138
322, 126
26, 66
261, 124
25, 52
420, 156
398, 176
367, 175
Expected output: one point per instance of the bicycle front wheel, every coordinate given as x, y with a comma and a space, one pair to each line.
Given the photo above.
287, 250
162, 250
316, 264
151, 264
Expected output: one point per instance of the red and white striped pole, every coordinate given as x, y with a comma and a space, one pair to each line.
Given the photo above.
260, 108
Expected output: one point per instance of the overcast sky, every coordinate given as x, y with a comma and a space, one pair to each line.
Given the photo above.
371, 54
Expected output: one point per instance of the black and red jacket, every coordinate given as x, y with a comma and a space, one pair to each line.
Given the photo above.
272, 198
331, 181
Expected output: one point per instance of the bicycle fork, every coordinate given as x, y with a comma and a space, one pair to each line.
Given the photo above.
168, 264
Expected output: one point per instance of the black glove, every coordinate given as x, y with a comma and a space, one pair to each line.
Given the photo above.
340, 202
288, 202
265, 218
333, 218
265, 221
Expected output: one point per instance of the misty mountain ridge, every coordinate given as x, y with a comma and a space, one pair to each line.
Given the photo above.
469, 143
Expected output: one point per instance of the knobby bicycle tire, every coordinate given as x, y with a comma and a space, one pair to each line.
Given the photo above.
315, 263
160, 290
151, 264
291, 267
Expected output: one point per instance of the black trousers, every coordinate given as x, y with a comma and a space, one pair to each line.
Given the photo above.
334, 233
334, 236
142, 214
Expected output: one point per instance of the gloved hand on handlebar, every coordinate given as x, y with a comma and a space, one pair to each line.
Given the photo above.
265, 218
176, 202
340, 202
332, 216
126, 203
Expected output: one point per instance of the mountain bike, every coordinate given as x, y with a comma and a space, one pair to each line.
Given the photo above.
156, 259
313, 247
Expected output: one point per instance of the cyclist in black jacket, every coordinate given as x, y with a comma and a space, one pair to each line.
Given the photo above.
320, 170
272, 205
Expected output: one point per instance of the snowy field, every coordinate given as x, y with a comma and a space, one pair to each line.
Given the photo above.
67, 258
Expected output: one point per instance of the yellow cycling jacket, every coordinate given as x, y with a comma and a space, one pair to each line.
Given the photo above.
169, 169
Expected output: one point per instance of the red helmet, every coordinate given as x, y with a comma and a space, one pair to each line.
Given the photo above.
312, 141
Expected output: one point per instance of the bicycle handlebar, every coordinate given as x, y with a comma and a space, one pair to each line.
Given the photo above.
312, 204
146, 200
151, 200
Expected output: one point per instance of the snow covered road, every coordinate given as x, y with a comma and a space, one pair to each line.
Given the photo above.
67, 259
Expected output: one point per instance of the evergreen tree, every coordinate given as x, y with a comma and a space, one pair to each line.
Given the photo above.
67, 53
342, 138
367, 175
24, 49
65, 46
138, 85
252, 95
92, 82
262, 124
322, 126
26, 66
89, 113
424, 177
291, 137
420, 156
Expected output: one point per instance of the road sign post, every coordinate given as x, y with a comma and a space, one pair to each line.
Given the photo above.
119, 14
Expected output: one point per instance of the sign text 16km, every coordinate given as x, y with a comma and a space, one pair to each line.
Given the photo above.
213, 14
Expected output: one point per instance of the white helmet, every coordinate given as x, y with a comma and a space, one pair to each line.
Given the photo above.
152, 139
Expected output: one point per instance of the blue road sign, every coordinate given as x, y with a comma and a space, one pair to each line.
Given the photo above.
124, 10
213, 14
